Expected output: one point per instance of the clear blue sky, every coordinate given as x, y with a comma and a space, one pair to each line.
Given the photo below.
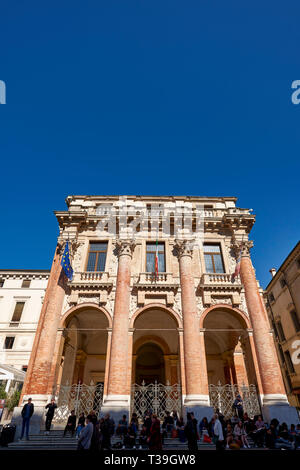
148, 97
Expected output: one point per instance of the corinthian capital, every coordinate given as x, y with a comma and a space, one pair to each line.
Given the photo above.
184, 247
125, 247
241, 247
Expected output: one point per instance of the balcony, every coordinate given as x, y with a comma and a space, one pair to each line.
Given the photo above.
153, 278
214, 285
156, 287
90, 283
219, 279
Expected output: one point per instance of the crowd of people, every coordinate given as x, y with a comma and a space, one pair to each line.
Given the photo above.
241, 431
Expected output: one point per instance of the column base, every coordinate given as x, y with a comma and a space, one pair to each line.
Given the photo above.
116, 406
37, 421
199, 405
277, 406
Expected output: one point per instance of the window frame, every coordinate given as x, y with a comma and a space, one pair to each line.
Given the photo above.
280, 331
26, 280
97, 252
295, 320
289, 362
13, 342
164, 253
212, 257
17, 322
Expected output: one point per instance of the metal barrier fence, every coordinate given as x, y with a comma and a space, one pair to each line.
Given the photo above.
223, 397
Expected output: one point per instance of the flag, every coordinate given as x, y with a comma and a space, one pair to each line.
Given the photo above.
66, 264
237, 267
156, 260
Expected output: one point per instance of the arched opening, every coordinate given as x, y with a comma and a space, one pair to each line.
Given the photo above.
83, 361
149, 366
228, 355
230, 364
84, 353
156, 373
155, 338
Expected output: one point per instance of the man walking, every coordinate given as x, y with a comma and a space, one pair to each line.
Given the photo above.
50, 414
26, 413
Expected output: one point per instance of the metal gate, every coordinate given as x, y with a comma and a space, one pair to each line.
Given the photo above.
156, 398
79, 397
223, 396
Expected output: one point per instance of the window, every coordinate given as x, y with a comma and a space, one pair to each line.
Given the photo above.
24, 368
1, 282
281, 354
280, 331
289, 362
271, 297
282, 283
298, 262
26, 283
151, 249
9, 342
17, 314
97, 256
295, 320
213, 259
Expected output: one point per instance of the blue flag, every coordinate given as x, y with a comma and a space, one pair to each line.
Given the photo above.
66, 264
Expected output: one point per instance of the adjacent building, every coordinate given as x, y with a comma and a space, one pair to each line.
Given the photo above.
283, 306
21, 297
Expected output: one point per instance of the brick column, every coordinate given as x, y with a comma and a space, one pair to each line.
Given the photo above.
40, 364
272, 383
274, 399
117, 400
40, 374
194, 355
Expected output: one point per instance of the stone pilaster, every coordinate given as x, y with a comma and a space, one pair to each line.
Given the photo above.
117, 401
197, 397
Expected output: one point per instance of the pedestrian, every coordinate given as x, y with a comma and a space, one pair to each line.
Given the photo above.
154, 440
71, 424
80, 425
85, 436
26, 413
148, 424
51, 407
191, 433
143, 437
105, 428
240, 435
238, 406
218, 437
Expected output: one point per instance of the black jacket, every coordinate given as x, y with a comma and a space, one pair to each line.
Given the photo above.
51, 409
23, 413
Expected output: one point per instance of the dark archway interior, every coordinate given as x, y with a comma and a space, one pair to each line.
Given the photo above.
150, 364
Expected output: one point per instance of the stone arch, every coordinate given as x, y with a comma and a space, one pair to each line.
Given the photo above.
84, 306
151, 339
156, 306
233, 310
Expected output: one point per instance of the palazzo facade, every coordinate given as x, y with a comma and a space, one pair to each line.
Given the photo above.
155, 308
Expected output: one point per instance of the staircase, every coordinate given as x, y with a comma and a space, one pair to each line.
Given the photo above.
56, 441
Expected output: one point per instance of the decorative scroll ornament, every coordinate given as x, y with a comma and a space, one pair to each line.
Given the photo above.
155, 398
184, 247
241, 247
125, 247
79, 397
